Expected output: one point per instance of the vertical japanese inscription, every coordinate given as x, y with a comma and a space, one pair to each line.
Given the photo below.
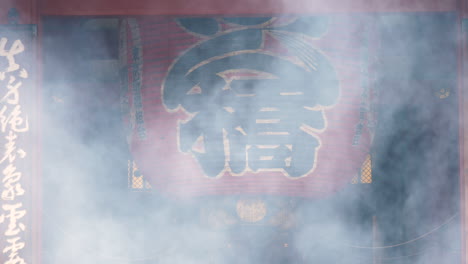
13, 125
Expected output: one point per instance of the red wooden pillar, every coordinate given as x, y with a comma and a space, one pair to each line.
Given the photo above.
463, 89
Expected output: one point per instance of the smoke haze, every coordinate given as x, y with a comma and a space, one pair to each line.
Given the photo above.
408, 214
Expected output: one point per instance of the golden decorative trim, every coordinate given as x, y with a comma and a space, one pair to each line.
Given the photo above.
366, 170
251, 210
136, 181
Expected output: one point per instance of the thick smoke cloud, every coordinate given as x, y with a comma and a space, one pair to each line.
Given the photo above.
90, 215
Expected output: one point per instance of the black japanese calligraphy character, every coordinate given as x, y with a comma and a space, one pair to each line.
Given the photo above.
253, 110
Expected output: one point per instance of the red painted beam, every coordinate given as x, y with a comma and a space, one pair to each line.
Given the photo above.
210, 7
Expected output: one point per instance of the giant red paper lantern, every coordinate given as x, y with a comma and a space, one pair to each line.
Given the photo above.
248, 105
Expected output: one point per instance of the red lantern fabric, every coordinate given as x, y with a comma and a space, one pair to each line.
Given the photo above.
248, 105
